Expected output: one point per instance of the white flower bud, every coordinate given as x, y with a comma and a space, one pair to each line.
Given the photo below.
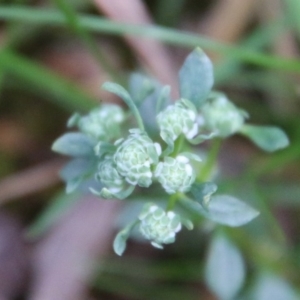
134, 158
222, 116
158, 226
102, 123
108, 175
175, 174
178, 118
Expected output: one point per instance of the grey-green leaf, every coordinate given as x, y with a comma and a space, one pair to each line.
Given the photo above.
268, 138
74, 144
230, 211
223, 209
120, 240
270, 286
201, 192
196, 77
122, 93
225, 268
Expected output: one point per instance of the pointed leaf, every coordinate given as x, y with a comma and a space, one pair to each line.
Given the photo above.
196, 77
230, 211
163, 98
223, 209
269, 286
268, 138
140, 87
225, 269
201, 192
122, 93
120, 240
74, 144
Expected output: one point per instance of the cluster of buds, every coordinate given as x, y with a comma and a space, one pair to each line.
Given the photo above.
119, 164
158, 226
180, 118
220, 115
102, 123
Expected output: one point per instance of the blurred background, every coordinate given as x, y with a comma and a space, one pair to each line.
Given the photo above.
54, 57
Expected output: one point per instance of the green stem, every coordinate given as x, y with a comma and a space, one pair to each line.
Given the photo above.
172, 201
185, 39
211, 159
178, 145
74, 23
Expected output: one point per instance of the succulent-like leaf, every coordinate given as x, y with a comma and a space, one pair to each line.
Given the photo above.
196, 77
268, 138
225, 268
74, 144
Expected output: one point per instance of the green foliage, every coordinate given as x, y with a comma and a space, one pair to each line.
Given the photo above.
196, 77
74, 144
268, 138
225, 269
124, 163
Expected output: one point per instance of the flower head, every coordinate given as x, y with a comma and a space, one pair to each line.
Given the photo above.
222, 116
158, 226
134, 157
109, 176
102, 123
175, 174
178, 118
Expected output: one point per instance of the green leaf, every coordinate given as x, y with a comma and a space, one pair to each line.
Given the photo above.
270, 286
74, 144
163, 98
201, 192
268, 138
225, 269
53, 212
120, 240
230, 211
196, 77
140, 87
46, 82
122, 93
223, 209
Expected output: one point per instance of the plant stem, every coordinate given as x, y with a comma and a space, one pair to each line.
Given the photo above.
211, 159
185, 39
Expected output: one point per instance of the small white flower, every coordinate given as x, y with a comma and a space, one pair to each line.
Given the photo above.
102, 123
222, 116
134, 158
109, 176
158, 226
178, 118
175, 174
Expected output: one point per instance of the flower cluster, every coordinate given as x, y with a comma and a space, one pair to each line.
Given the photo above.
158, 226
121, 164
220, 115
102, 123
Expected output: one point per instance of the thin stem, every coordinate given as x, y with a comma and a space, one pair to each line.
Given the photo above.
185, 39
75, 24
211, 159
178, 145
172, 201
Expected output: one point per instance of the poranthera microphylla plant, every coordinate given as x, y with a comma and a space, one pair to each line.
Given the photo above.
119, 153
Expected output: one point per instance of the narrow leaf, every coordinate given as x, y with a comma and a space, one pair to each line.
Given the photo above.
268, 138
201, 192
225, 269
57, 207
74, 144
269, 286
230, 211
122, 93
120, 240
223, 209
196, 77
